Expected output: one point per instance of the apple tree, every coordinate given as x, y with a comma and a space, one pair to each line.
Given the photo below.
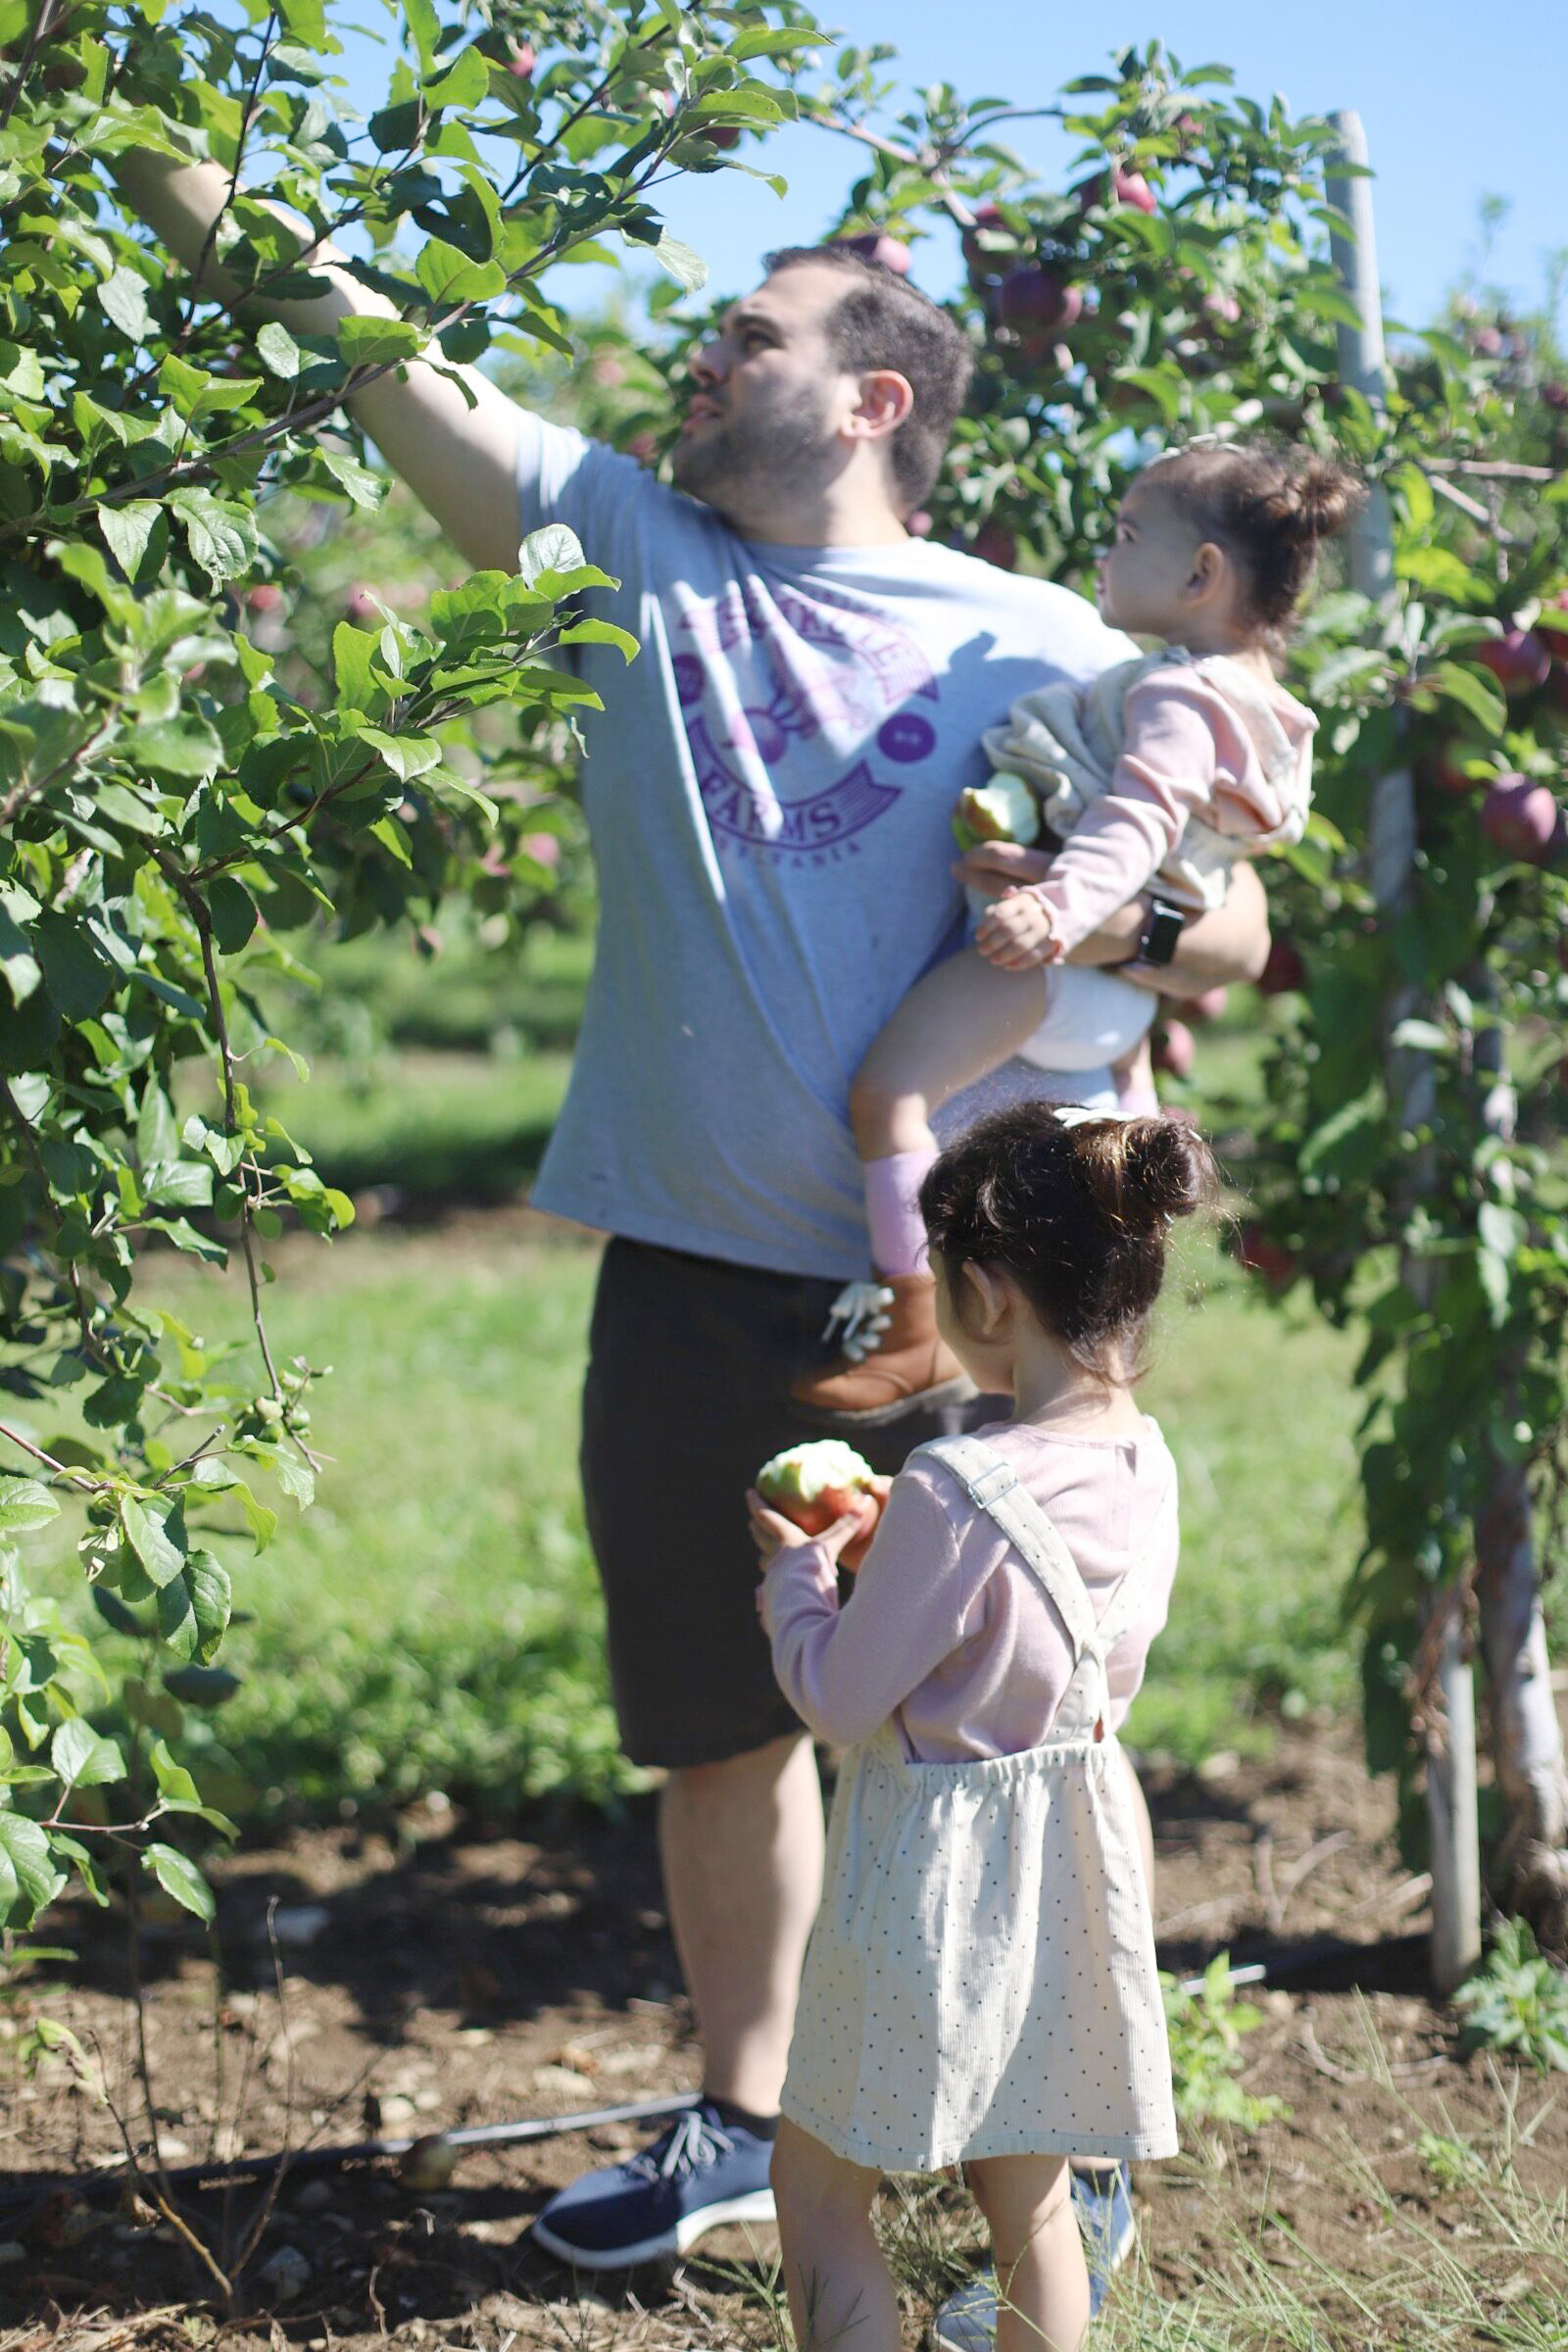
190, 789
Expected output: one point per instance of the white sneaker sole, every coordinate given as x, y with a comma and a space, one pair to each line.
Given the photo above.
758, 2207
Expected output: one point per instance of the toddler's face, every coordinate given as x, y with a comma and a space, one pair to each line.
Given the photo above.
1143, 574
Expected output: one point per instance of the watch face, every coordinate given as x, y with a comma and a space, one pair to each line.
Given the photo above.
1161, 932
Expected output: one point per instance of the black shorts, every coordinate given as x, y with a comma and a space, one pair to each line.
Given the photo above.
689, 1371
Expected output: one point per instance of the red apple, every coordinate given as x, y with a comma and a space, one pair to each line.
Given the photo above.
1555, 396
920, 525
1261, 1255
724, 136
1117, 186
522, 60
644, 447
1284, 970
1038, 299
1209, 1007
265, 597
1523, 820
1222, 307
995, 543
543, 847
1487, 341
1518, 659
1174, 1048
878, 246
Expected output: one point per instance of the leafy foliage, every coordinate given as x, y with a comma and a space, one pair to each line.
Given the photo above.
1517, 2002
180, 802
1205, 2032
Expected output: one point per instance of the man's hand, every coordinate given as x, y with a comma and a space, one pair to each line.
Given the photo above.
1018, 933
454, 443
1218, 949
993, 867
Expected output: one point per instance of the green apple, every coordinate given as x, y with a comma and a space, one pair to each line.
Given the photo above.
1005, 810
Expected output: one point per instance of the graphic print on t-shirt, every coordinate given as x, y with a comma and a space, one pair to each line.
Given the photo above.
782, 672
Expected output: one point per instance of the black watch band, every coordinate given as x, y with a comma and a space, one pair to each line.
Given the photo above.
1161, 931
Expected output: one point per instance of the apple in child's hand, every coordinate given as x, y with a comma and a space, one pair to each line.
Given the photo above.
819, 1482
1005, 810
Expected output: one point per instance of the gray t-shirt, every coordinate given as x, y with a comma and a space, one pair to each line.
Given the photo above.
770, 791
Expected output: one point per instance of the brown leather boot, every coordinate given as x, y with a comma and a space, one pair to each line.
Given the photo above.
895, 1361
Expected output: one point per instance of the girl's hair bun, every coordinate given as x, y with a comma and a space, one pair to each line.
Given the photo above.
1077, 1207
1145, 1173
1317, 498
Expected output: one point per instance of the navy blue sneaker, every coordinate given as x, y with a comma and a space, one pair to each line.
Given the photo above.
1103, 2200
697, 2174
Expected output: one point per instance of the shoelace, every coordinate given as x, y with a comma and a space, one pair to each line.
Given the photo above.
689, 2145
861, 1309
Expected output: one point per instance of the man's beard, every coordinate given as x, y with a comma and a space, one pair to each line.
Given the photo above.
758, 462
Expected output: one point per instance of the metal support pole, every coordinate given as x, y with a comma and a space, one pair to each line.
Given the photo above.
1412, 1079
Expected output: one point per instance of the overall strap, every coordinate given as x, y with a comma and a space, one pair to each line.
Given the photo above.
993, 1487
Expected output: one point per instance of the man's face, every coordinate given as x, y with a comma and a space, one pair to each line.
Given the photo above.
767, 398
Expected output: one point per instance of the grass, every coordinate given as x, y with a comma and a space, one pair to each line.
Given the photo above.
434, 1621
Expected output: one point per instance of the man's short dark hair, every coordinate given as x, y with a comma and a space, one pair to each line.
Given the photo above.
881, 320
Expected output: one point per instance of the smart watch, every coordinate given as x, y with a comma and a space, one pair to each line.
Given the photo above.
1163, 929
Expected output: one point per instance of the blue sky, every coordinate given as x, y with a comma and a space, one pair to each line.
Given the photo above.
1458, 100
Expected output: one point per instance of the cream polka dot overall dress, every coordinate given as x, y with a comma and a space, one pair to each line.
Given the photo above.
981, 1977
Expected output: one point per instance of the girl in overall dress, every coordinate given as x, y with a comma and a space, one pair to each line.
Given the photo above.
980, 1985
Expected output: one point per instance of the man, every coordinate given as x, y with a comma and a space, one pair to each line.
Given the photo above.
769, 791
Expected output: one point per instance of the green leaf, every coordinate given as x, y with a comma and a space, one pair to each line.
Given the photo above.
600, 632
25, 1504
83, 1758
222, 537
407, 756
29, 1879
147, 1533
188, 746
553, 549
364, 488
178, 1184
277, 350
127, 530
450, 277
201, 1685
367, 342
1473, 690
124, 296
179, 1877
174, 1781
426, 28
682, 263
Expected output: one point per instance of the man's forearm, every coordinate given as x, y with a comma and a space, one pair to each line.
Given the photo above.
457, 453
1218, 949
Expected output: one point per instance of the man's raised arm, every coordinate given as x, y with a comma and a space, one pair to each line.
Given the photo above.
460, 459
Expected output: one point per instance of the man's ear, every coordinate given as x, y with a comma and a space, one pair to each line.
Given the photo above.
886, 400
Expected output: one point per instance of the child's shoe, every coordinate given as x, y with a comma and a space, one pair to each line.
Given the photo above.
894, 1359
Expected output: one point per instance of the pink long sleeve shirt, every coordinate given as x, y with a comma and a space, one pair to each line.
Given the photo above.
946, 1630
1187, 752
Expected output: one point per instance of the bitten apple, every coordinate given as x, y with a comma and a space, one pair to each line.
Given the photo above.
816, 1483
1005, 810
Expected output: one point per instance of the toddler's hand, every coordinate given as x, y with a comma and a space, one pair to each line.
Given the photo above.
855, 1550
1017, 933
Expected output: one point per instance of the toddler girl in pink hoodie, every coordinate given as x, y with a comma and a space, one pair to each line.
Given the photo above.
1161, 773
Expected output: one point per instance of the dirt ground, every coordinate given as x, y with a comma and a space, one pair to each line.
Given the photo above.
449, 1976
